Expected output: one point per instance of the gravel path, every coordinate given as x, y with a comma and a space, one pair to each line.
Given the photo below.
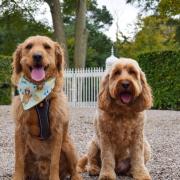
162, 131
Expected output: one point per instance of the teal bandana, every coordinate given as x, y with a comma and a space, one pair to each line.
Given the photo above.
32, 94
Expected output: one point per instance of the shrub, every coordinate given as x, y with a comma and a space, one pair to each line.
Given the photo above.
163, 73
5, 83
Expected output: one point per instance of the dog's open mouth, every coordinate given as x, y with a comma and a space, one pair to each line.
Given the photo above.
126, 97
38, 72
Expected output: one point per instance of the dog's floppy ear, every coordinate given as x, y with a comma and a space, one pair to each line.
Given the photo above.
16, 65
104, 98
59, 57
145, 99
17, 68
146, 92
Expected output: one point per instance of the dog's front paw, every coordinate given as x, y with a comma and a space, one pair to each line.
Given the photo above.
93, 170
54, 177
76, 177
141, 174
107, 175
17, 177
143, 178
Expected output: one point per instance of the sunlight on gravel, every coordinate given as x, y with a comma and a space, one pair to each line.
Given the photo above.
162, 131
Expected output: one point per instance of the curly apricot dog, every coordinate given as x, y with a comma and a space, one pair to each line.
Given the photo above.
43, 148
119, 144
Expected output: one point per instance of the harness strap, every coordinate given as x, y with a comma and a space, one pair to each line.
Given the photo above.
42, 110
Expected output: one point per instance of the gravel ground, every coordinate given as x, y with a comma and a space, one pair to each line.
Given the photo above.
162, 131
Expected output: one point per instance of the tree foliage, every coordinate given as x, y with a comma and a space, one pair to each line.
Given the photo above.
156, 33
163, 7
15, 27
100, 18
18, 21
5, 75
99, 47
169, 7
96, 16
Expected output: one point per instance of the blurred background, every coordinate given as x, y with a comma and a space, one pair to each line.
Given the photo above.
146, 30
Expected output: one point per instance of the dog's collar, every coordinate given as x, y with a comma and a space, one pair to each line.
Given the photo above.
32, 94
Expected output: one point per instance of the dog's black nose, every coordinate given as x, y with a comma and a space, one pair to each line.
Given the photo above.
125, 84
37, 57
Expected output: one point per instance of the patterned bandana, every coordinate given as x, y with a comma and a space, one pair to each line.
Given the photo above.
32, 94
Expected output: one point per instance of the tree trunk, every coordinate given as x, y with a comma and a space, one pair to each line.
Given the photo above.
81, 34
58, 25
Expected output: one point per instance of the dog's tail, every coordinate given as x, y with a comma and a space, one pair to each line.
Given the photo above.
81, 166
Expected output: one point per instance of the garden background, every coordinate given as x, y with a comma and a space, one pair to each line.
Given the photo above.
78, 26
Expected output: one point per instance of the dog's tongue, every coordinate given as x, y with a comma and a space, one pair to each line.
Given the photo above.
125, 97
38, 74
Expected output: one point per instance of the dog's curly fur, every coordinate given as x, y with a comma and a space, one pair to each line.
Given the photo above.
119, 145
55, 157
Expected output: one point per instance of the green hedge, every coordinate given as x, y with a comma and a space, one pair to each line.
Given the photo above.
163, 73
5, 83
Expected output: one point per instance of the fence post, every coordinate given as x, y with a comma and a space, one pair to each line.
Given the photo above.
74, 87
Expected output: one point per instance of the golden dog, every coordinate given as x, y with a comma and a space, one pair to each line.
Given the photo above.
38, 59
119, 145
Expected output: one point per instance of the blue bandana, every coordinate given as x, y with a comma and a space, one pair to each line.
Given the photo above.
32, 94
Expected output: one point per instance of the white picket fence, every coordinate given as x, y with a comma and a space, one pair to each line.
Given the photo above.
82, 86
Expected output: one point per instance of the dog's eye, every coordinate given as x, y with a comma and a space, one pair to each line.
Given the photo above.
29, 46
46, 46
132, 72
117, 73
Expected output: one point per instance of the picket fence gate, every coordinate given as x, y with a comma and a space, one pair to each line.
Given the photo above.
81, 86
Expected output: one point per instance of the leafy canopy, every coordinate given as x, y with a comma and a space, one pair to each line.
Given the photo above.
164, 7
